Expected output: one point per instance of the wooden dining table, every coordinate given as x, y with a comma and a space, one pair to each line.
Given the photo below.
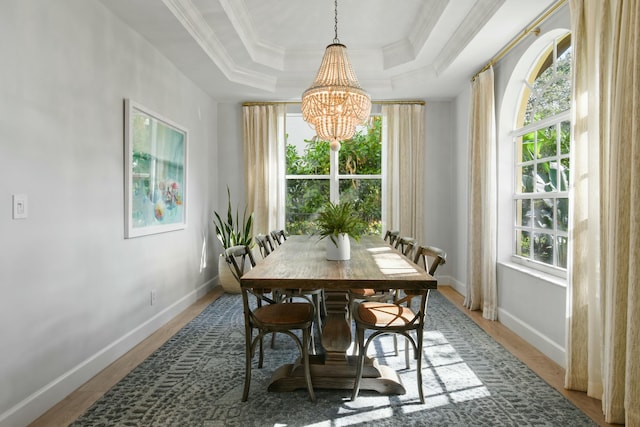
300, 263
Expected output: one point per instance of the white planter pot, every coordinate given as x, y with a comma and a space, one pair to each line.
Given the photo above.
226, 278
342, 252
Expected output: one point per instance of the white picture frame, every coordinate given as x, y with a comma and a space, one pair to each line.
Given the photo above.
155, 166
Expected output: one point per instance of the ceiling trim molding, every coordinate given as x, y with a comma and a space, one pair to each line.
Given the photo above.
259, 52
196, 26
406, 50
429, 16
470, 26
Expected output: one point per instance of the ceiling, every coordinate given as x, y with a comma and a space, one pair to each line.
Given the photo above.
270, 50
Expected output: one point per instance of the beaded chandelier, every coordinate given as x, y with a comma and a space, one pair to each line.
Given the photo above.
335, 103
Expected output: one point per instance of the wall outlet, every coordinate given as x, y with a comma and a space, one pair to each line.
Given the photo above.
154, 296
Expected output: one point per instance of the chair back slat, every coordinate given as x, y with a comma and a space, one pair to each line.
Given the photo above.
279, 236
429, 258
405, 245
265, 244
391, 236
237, 258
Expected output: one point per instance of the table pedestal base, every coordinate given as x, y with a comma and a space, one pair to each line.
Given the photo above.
375, 377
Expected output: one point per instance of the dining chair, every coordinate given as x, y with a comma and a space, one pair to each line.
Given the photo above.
269, 316
278, 236
391, 318
366, 294
405, 245
390, 236
265, 244
429, 258
398, 318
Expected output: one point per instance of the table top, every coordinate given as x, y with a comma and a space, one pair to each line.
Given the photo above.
300, 263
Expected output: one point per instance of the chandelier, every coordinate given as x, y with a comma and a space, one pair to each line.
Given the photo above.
335, 103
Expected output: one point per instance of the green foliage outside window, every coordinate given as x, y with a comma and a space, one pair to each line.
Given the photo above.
360, 155
542, 170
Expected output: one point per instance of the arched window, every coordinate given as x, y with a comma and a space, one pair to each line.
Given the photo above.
541, 145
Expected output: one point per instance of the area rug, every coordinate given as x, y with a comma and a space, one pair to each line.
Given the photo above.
196, 379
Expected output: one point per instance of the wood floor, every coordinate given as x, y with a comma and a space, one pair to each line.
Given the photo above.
71, 407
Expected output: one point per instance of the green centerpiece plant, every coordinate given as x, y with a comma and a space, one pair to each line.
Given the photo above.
338, 222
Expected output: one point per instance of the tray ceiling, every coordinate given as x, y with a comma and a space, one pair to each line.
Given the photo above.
239, 50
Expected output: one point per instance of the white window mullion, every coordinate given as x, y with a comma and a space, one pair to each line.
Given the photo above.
334, 182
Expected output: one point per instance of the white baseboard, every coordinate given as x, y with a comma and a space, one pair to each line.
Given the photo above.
46, 397
460, 287
550, 349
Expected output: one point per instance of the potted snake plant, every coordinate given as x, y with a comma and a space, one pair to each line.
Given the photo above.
231, 230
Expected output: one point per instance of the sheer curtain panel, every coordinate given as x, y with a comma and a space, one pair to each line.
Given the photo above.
403, 195
603, 338
482, 225
264, 134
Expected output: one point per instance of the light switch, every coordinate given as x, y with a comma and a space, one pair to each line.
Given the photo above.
20, 206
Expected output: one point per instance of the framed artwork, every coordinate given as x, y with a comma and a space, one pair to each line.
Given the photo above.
155, 172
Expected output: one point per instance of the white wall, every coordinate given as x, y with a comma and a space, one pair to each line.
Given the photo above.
74, 294
459, 214
231, 169
440, 179
530, 303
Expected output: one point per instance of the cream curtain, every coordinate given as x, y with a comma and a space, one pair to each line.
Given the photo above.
264, 134
482, 225
403, 193
603, 338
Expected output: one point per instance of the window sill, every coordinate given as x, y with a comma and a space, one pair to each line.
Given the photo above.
549, 278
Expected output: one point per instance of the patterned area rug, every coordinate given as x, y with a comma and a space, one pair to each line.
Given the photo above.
196, 379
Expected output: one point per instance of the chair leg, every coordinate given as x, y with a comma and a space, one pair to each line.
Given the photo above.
277, 297
353, 304
316, 306
406, 353
260, 357
247, 366
319, 305
305, 360
419, 371
361, 355
324, 306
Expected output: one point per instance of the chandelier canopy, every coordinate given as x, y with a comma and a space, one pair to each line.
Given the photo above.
335, 103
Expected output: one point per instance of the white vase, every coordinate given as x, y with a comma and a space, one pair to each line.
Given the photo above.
226, 278
342, 251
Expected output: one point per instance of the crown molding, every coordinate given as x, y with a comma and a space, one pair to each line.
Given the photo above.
259, 52
187, 14
471, 25
428, 18
406, 50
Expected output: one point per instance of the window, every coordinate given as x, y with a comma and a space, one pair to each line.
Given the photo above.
542, 146
315, 174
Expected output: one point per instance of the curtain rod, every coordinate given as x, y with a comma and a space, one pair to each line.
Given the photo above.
532, 28
252, 104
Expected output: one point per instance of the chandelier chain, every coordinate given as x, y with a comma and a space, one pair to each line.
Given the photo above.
335, 27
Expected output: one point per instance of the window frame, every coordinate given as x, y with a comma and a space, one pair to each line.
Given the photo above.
334, 177
516, 135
